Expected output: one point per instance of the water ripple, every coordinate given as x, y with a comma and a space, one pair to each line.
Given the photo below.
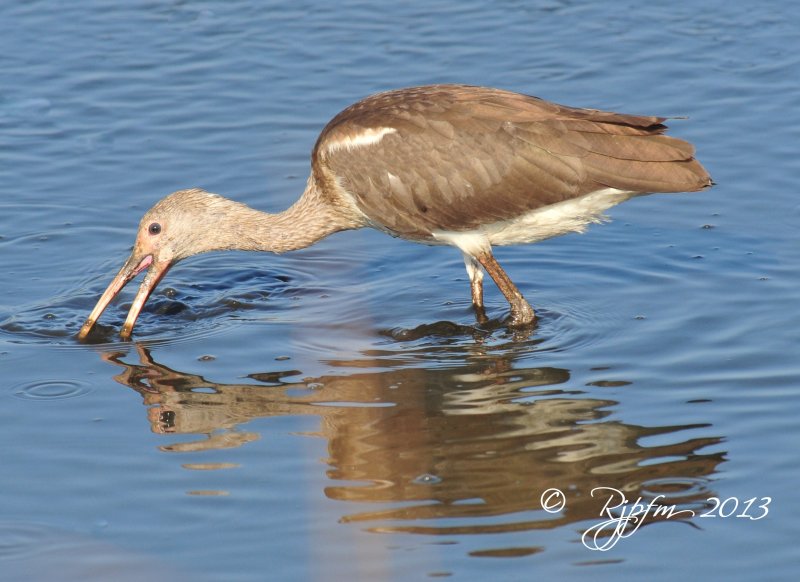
20, 539
676, 489
207, 301
51, 390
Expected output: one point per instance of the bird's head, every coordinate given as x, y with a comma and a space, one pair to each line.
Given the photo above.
183, 224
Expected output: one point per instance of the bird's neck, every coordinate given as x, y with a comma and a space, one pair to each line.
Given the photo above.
307, 221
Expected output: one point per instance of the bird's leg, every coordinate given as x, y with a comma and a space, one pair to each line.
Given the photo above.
475, 273
521, 310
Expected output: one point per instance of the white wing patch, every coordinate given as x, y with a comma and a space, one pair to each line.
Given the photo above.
367, 137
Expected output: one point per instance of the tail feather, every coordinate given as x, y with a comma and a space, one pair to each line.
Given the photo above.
648, 176
632, 153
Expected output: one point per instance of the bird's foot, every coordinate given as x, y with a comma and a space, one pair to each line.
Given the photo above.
522, 315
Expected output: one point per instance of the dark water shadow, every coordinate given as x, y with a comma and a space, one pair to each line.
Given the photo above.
476, 443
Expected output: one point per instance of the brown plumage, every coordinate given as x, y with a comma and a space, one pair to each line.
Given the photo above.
444, 164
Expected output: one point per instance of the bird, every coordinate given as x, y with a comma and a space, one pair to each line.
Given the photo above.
461, 165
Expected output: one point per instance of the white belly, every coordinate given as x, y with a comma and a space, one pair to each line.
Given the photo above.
537, 225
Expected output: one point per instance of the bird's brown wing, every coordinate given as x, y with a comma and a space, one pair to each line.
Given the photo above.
453, 157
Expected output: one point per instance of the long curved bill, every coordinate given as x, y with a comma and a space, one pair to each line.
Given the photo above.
132, 267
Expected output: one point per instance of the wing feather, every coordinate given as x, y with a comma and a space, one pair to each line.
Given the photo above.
458, 157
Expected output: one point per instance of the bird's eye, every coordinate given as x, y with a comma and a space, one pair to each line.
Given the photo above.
154, 228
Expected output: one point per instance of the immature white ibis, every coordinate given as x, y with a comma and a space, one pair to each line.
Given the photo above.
459, 165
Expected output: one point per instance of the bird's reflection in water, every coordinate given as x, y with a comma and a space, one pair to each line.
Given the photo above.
475, 441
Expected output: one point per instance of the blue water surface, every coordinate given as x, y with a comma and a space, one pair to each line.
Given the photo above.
336, 413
